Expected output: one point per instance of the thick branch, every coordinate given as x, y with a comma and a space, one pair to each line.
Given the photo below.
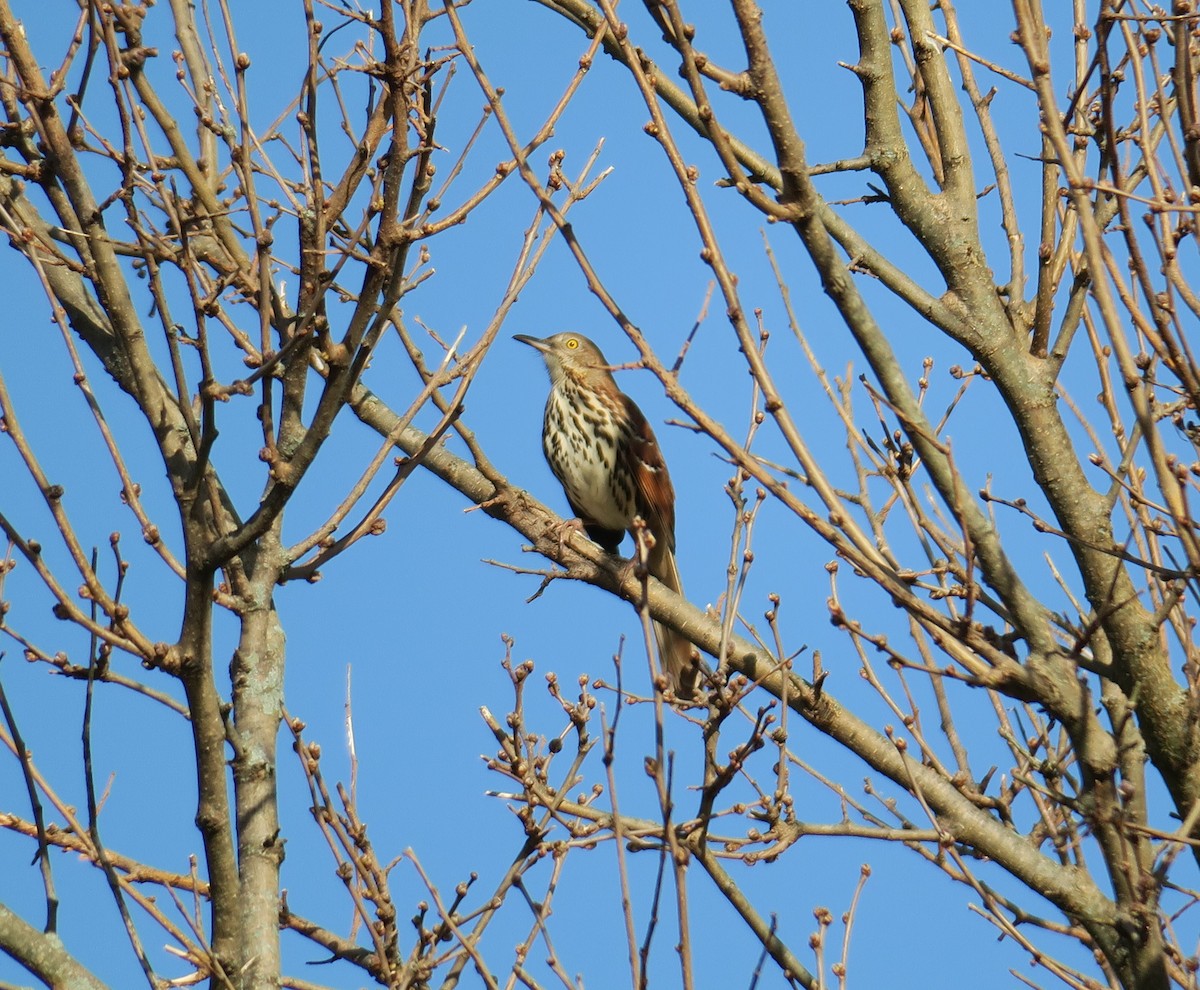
44, 955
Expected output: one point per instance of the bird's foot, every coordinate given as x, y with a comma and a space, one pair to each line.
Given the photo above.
566, 529
632, 567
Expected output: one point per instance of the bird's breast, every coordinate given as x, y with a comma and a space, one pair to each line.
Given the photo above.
581, 440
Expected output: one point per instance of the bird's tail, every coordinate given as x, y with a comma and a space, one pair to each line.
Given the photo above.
680, 660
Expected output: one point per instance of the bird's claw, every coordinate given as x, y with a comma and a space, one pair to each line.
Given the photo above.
566, 528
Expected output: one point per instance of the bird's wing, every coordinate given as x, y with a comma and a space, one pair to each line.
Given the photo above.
655, 494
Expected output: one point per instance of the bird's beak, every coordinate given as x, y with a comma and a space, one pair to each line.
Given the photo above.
535, 342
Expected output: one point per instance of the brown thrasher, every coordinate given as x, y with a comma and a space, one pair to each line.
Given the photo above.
604, 454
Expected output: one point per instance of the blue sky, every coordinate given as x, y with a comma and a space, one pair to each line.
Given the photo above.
416, 616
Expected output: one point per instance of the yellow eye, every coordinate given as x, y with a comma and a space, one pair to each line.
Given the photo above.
572, 343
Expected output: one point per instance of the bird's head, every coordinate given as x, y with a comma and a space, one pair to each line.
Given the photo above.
567, 353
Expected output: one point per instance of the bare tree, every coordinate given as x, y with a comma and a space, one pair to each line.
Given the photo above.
1047, 606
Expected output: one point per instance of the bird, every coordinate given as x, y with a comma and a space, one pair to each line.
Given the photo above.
605, 455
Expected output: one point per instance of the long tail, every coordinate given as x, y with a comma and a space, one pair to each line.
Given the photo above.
680, 660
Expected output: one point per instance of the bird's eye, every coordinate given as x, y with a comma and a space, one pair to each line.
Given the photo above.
572, 343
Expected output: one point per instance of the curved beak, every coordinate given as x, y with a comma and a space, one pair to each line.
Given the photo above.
535, 342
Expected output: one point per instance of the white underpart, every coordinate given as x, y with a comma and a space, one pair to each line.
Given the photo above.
589, 482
